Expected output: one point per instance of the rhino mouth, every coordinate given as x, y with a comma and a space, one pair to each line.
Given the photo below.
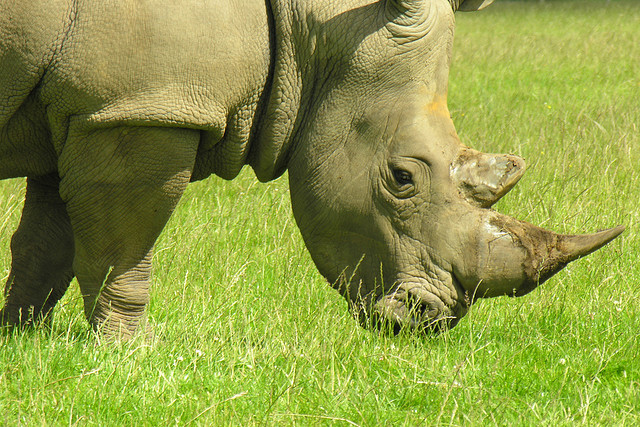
416, 306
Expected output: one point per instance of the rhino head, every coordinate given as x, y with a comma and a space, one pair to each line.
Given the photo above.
394, 209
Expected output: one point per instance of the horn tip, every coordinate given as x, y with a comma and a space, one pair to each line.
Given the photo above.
611, 233
618, 230
584, 245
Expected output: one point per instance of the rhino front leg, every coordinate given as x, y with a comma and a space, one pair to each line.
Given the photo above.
42, 254
121, 185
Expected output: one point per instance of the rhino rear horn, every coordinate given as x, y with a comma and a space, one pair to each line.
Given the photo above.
483, 179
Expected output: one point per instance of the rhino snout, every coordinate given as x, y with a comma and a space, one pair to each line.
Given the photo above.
421, 306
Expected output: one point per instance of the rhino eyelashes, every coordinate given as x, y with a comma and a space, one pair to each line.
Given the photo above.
402, 177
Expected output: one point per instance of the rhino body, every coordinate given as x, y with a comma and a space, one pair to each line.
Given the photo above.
110, 109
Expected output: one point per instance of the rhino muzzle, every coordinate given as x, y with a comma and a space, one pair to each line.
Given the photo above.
415, 306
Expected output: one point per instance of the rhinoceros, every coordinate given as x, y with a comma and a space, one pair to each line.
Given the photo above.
109, 109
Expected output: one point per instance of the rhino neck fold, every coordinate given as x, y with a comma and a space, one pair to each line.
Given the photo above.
282, 99
305, 59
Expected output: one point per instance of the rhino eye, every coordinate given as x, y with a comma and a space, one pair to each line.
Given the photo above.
402, 177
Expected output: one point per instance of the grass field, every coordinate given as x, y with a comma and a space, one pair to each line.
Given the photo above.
246, 332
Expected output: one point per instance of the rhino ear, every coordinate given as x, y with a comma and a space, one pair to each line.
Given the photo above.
470, 5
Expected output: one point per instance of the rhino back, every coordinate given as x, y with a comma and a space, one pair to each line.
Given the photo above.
195, 64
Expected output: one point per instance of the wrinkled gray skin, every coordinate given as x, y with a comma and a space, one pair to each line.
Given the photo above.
110, 108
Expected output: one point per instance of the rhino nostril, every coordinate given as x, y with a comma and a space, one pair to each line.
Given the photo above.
419, 309
413, 307
426, 313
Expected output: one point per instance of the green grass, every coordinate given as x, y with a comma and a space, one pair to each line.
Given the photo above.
247, 332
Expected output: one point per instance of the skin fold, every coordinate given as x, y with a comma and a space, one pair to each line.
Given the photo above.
110, 109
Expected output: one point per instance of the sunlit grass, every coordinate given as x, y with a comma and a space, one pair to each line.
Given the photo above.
245, 331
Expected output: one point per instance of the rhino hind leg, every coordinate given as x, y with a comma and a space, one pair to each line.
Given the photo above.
42, 255
121, 186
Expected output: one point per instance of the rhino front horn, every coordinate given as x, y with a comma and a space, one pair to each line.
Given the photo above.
513, 257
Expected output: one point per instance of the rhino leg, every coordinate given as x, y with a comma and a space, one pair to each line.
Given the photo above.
42, 254
121, 185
